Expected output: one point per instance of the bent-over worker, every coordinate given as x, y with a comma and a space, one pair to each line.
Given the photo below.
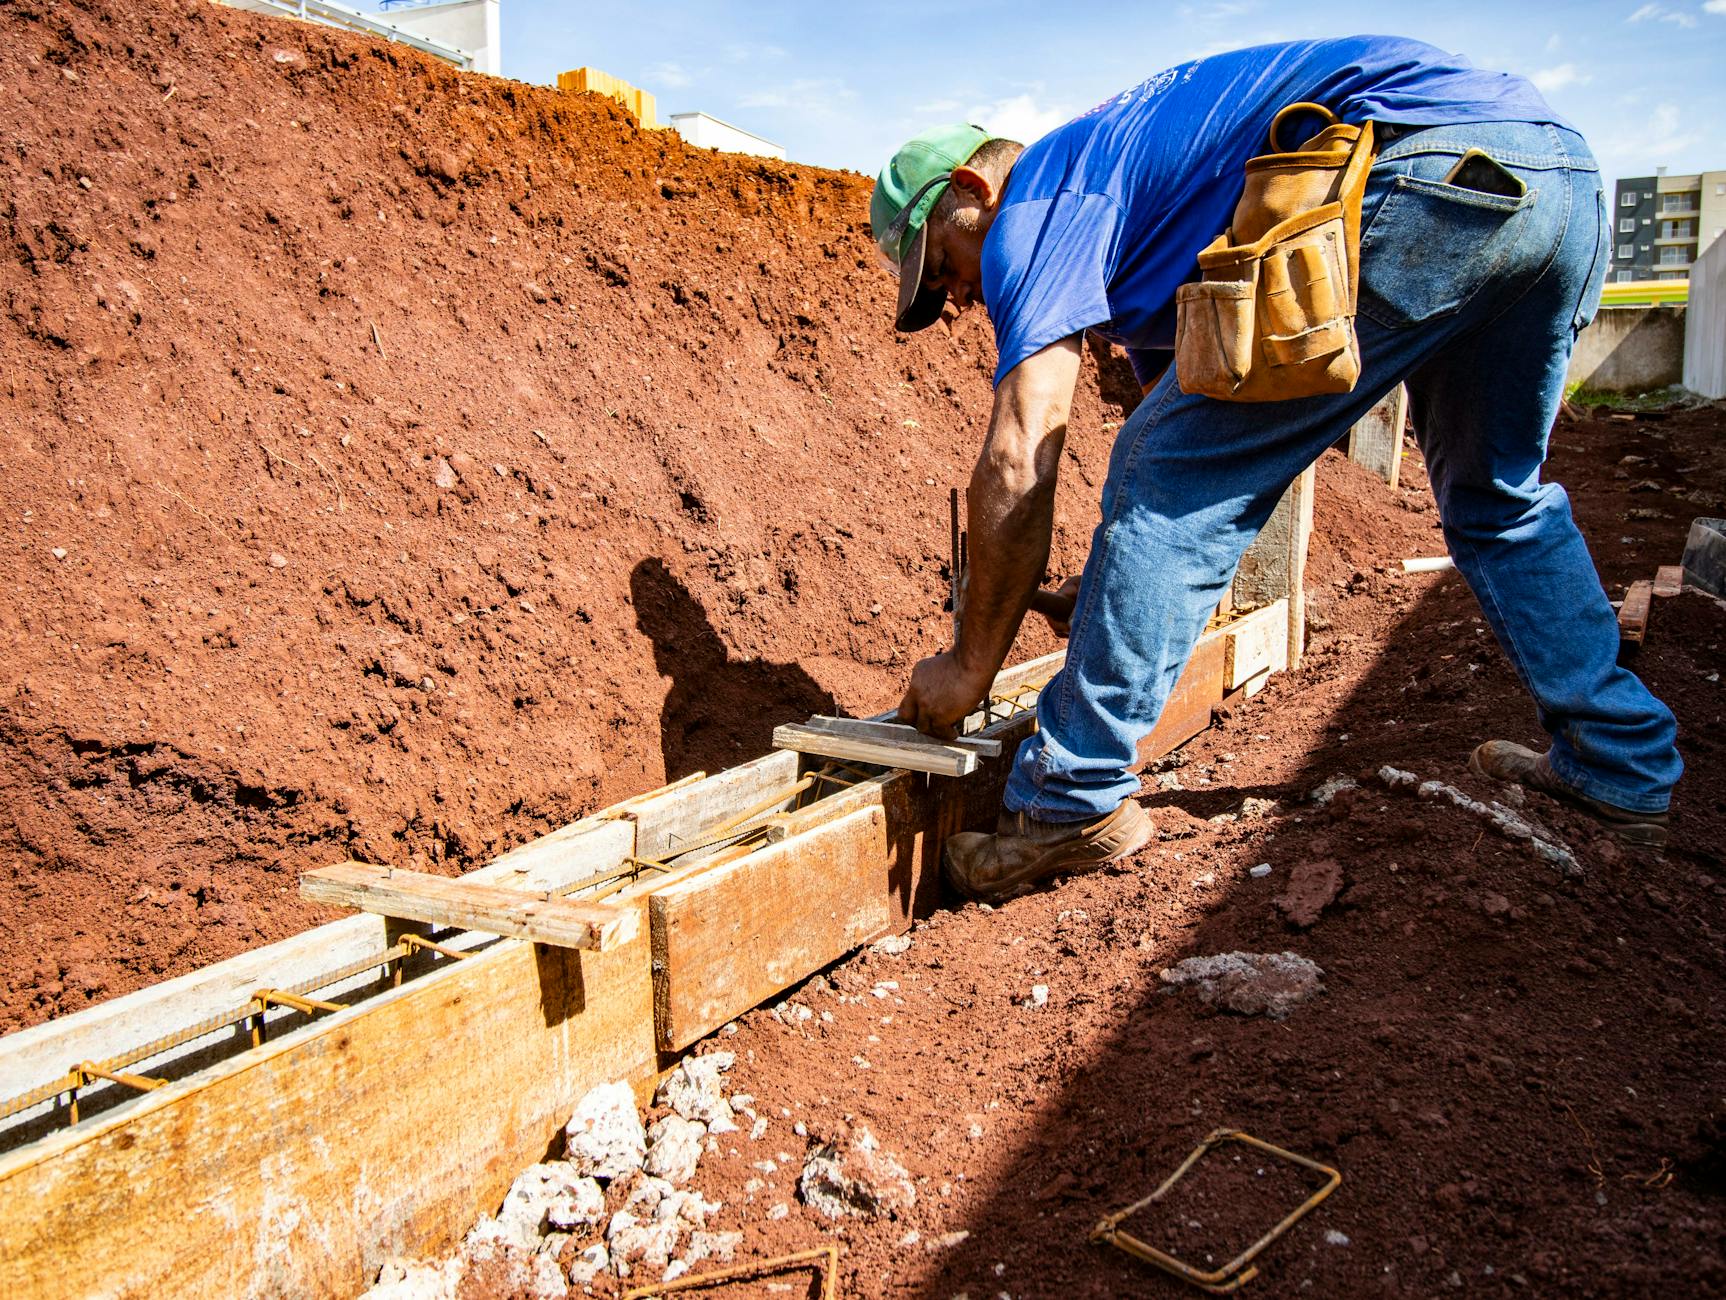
1475, 274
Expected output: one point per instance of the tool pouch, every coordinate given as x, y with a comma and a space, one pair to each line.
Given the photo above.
1272, 316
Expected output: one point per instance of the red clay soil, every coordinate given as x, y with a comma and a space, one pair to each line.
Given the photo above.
630, 469
400, 464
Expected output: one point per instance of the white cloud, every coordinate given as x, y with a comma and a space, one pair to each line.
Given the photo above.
670, 75
751, 52
1559, 76
1715, 7
1658, 13
806, 97
1655, 138
1021, 117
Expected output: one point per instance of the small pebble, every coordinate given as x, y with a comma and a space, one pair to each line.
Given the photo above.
1261, 871
1039, 994
59, 552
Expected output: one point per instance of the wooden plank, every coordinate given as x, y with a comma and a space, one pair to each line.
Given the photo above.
926, 755
1633, 613
1256, 642
465, 905
728, 938
1188, 710
1375, 441
35, 1056
298, 1168
672, 819
886, 729
1274, 567
1669, 580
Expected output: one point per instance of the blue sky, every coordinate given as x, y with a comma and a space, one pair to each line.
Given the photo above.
841, 85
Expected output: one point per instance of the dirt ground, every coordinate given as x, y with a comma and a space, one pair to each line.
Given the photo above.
1518, 1074
399, 465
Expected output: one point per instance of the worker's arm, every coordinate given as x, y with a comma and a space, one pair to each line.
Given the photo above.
1011, 510
1058, 606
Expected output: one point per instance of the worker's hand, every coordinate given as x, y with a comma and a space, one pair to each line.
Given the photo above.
940, 695
1068, 591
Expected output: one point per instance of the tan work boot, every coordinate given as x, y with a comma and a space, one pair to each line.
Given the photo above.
1024, 852
1504, 760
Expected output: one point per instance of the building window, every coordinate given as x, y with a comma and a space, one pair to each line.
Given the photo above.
1627, 251
1674, 256
1676, 230
1624, 276
1626, 225
1627, 199
1648, 221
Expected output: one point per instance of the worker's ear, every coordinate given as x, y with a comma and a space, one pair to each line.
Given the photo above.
978, 186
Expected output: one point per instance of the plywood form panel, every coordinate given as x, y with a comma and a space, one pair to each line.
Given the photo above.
298, 1168
728, 938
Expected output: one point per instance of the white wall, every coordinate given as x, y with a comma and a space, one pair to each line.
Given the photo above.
1705, 324
705, 132
470, 25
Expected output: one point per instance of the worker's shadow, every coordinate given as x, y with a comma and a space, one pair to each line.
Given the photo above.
719, 711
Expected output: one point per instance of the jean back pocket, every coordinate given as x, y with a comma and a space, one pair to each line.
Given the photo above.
1431, 247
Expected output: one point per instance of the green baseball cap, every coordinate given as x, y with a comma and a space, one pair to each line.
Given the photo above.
906, 192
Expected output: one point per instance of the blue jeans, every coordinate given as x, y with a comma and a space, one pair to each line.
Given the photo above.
1474, 300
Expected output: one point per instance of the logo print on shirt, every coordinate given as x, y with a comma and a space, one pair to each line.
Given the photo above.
1149, 88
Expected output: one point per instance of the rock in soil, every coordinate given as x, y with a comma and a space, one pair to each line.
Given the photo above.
636, 1244
861, 1179
693, 1089
604, 1138
589, 1264
551, 1193
1249, 983
674, 1148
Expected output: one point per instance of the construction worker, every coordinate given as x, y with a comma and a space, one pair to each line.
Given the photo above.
1475, 275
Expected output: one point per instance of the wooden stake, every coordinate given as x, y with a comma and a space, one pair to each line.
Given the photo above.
1633, 613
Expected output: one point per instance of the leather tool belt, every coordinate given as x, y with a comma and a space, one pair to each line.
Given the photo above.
1272, 316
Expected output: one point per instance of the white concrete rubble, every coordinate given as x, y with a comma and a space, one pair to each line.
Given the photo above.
858, 1179
1250, 983
674, 1148
1506, 821
604, 1138
693, 1090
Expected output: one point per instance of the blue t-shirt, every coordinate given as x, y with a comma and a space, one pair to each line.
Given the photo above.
1102, 219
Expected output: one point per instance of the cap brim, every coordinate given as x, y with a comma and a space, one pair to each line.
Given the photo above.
919, 305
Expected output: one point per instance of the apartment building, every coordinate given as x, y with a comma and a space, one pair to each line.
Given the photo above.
1661, 224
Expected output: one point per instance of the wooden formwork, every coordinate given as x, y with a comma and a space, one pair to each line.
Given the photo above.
388, 1126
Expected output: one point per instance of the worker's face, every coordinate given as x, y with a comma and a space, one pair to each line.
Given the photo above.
953, 254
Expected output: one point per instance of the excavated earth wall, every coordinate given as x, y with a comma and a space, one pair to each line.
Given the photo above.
399, 463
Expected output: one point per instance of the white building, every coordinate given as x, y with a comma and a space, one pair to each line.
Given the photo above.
707, 132
465, 32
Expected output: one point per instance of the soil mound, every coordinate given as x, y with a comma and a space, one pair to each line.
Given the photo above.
400, 463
